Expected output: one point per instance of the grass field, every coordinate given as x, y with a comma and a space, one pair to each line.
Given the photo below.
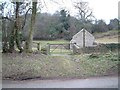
44, 42
106, 40
107, 37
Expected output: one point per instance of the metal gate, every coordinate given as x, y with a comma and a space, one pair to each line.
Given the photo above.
63, 49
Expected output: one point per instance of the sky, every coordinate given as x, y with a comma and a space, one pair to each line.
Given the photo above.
102, 9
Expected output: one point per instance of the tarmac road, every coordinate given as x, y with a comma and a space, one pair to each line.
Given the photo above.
99, 82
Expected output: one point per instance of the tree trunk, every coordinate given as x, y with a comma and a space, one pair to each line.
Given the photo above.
11, 42
17, 29
30, 38
4, 37
15, 35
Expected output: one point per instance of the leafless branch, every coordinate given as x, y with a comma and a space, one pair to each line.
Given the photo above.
84, 11
45, 4
6, 18
89, 15
55, 2
25, 17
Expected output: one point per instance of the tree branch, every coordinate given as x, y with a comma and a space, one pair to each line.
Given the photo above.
25, 18
89, 15
6, 18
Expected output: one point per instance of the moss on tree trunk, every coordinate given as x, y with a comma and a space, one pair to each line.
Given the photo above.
30, 38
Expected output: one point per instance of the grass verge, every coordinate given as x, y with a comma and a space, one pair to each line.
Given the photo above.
30, 66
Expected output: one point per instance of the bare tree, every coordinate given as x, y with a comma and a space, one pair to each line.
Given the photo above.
15, 32
85, 13
5, 20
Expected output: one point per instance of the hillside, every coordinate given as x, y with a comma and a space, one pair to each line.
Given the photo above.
107, 37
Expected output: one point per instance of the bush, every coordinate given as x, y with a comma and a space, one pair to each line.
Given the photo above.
113, 46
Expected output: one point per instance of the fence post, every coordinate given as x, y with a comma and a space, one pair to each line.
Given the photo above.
48, 49
38, 46
74, 49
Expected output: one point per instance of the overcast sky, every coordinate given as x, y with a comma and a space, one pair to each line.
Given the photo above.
102, 9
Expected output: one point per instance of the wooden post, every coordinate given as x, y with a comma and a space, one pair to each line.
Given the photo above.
83, 40
48, 49
61, 48
38, 46
74, 49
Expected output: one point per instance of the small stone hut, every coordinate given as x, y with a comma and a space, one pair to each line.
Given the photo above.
81, 39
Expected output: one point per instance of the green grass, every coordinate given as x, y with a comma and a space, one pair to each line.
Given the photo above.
107, 37
101, 34
44, 42
58, 50
25, 66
